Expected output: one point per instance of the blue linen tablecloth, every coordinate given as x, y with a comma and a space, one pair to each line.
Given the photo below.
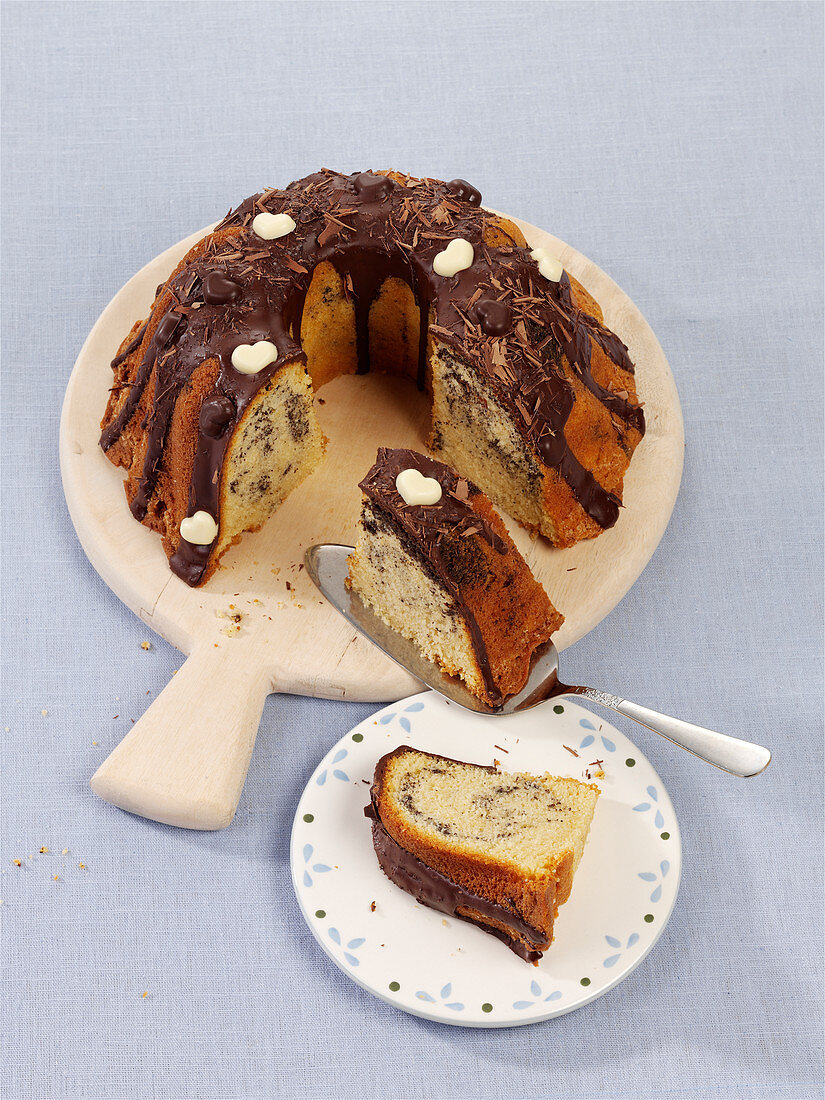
677, 145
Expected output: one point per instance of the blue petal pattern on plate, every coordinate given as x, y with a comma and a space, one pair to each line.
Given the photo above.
653, 876
538, 995
456, 1006
589, 739
351, 946
643, 807
611, 960
319, 868
337, 773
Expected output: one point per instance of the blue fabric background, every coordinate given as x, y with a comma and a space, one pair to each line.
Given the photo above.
677, 145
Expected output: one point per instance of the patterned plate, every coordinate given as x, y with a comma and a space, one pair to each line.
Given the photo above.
443, 968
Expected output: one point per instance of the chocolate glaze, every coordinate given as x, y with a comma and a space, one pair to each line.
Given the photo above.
438, 892
431, 526
370, 229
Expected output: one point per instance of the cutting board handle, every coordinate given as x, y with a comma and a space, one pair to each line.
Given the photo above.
186, 759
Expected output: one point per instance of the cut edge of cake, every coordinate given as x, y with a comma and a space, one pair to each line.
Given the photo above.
448, 577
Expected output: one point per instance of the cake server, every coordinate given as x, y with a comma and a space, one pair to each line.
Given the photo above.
327, 566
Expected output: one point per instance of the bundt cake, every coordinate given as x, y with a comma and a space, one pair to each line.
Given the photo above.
436, 563
496, 849
211, 409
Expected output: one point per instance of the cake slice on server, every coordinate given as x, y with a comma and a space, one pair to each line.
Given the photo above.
435, 562
496, 849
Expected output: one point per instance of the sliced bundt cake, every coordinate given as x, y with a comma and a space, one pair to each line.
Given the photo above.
436, 563
499, 850
211, 408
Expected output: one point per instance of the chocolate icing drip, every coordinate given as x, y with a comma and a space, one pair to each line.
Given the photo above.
433, 526
238, 288
133, 345
438, 892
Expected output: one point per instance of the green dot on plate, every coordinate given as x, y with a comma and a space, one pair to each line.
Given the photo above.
558, 709
631, 763
585, 981
665, 836
320, 913
394, 986
309, 817
486, 1007
648, 918
358, 737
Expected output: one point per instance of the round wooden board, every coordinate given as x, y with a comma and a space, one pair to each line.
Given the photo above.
288, 634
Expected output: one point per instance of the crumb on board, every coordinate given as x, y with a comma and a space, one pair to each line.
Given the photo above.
17, 862
145, 645
55, 877
43, 850
82, 866
65, 852
44, 713
372, 906
144, 994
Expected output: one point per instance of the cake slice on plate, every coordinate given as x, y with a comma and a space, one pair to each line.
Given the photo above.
436, 563
496, 849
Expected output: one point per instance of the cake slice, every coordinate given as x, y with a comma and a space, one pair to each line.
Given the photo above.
496, 849
436, 563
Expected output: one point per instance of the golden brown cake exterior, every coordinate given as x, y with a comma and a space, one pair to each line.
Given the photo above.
496, 849
211, 408
447, 575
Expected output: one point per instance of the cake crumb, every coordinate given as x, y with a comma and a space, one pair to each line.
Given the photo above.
65, 852
43, 850
144, 994
145, 645
372, 906
17, 862
44, 713
82, 866
55, 877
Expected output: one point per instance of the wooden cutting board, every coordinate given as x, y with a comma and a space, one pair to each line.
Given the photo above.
259, 625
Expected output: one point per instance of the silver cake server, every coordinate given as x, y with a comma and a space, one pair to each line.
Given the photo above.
327, 565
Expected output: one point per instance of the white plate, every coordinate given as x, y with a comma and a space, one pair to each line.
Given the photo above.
445, 969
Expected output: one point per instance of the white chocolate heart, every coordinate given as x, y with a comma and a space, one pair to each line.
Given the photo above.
272, 226
457, 256
417, 489
549, 265
251, 358
199, 529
